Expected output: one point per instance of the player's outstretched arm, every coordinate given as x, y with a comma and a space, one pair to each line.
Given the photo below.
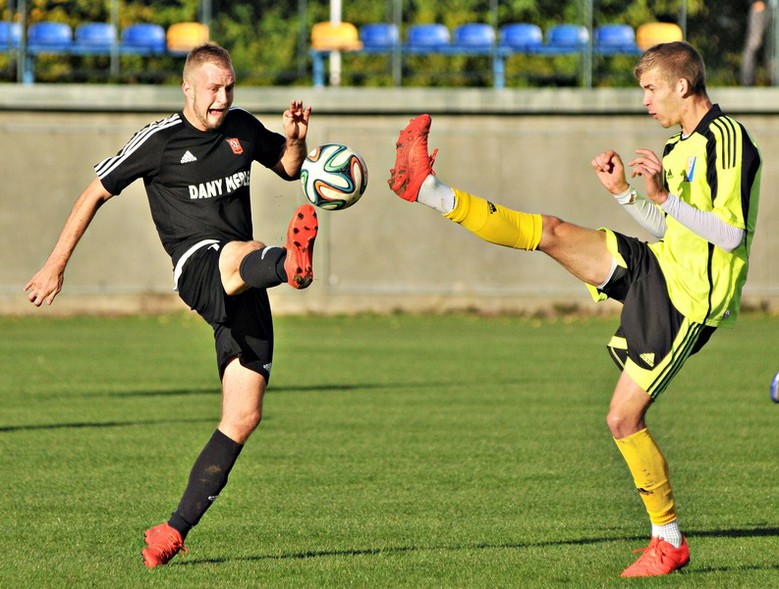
46, 284
295, 120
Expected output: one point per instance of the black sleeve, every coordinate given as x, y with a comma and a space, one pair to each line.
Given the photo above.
268, 145
139, 158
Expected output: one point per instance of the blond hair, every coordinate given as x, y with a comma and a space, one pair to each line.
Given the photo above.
674, 61
206, 53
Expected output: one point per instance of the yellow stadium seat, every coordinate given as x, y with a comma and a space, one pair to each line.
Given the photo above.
652, 33
185, 36
327, 36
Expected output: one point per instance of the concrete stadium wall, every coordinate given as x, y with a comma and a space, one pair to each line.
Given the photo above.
528, 149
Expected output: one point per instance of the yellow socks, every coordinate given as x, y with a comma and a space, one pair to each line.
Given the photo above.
650, 474
496, 223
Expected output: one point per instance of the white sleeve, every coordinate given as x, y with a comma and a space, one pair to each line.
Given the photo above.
705, 224
643, 210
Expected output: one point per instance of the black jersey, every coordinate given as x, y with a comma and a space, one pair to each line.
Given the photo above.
197, 181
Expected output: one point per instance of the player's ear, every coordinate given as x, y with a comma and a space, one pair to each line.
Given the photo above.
186, 87
683, 87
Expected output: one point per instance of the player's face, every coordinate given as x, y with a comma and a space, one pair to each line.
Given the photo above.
209, 95
662, 98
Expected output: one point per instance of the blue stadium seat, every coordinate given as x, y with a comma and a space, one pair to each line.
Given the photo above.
94, 38
474, 37
10, 35
49, 37
521, 37
566, 38
515, 38
611, 39
144, 39
427, 38
379, 36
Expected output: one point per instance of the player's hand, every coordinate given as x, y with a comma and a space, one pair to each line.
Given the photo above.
44, 286
295, 121
648, 165
610, 170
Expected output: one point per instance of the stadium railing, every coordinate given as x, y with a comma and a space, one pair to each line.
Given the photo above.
99, 38
469, 39
421, 39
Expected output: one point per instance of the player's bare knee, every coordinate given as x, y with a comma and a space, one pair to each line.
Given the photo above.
614, 421
251, 422
241, 427
233, 284
550, 232
230, 263
622, 425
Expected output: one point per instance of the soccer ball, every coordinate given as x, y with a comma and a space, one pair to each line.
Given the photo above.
334, 176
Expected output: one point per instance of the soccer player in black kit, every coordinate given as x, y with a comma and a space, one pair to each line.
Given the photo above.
196, 167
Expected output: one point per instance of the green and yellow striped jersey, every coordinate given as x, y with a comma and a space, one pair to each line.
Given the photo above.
716, 168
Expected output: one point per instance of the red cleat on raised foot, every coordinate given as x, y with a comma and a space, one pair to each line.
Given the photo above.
300, 247
659, 558
412, 162
162, 543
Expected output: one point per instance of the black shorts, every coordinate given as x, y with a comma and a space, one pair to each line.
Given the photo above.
654, 339
243, 325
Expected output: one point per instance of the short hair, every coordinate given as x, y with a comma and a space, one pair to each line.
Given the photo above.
673, 61
207, 53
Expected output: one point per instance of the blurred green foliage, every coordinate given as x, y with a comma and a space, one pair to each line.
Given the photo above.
269, 40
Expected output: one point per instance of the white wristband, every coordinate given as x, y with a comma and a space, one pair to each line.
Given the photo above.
626, 198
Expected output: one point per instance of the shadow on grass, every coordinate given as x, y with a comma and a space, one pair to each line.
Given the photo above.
98, 425
731, 533
398, 550
285, 389
324, 388
735, 533
272, 389
394, 385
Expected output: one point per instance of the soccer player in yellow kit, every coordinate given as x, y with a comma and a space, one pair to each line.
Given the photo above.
700, 201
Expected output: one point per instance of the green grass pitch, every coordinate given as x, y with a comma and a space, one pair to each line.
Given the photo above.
395, 451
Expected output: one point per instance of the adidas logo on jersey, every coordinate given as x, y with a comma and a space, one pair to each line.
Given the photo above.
188, 157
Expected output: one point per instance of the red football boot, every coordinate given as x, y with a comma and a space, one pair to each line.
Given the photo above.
412, 162
300, 247
162, 544
659, 558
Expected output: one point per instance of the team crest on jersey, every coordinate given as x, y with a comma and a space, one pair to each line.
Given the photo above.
690, 168
235, 145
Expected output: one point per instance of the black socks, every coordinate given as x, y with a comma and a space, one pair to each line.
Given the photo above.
207, 479
264, 268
